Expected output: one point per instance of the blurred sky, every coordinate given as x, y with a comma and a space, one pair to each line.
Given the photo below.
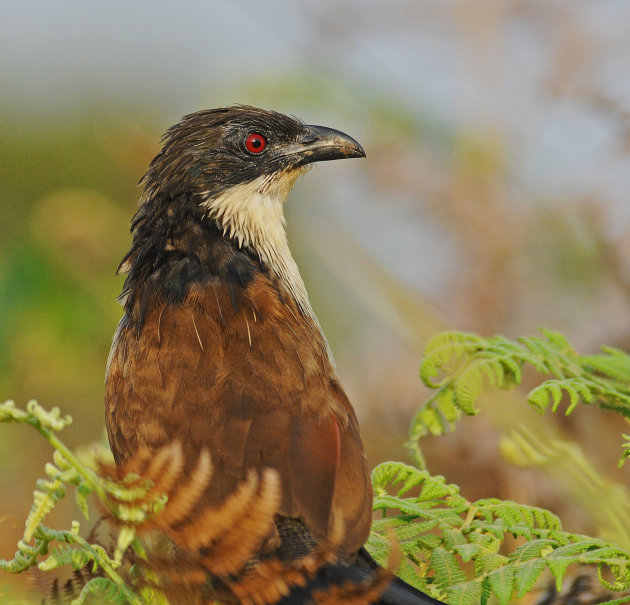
482, 64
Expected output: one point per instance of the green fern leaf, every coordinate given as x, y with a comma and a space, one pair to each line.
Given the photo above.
527, 574
469, 386
81, 493
626, 451
509, 512
466, 593
436, 490
494, 372
410, 478
378, 546
43, 503
437, 416
409, 532
447, 571
402, 526
406, 506
409, 573
467, 551
446, 347
533, 549
558, 568
487, 541
429, 542
10, 413
390, 472
103, 589
613, 362
546, 519
433, 487
453, 538
65, 555
577, 547
126, 535
548, 393
489, 561
501, 582
559, 341
609, 554
429, 420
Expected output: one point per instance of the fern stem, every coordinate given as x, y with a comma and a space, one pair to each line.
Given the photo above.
108, 569
89, 476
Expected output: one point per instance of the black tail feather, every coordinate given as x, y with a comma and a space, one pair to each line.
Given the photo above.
361, 572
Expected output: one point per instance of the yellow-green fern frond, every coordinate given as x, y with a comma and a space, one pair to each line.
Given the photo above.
458, 365
440, 533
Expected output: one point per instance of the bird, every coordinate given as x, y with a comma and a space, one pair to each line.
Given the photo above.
219, 347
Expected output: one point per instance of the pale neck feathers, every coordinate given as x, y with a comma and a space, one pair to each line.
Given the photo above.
252, 215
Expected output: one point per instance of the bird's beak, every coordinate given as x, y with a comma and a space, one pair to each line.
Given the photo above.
319, 144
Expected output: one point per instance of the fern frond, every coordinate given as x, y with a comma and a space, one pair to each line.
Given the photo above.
183, 500
459, 364
207, 527
44, 500
436, 417
41, 545
104, 590
440, 531
65, 555
248, 528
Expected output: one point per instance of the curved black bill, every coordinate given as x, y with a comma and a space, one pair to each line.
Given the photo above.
320, 144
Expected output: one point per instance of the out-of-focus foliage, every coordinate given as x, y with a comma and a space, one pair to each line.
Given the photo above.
65, 205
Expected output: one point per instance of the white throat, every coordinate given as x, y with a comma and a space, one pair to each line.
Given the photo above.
252, 215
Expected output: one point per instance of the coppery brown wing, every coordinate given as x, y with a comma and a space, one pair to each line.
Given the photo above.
253, 384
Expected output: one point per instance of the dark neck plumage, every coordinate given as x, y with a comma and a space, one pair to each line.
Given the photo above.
175, 246
189, 238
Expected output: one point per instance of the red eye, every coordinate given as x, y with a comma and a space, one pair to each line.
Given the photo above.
255, 143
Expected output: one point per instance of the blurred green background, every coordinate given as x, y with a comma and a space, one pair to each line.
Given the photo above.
494, 198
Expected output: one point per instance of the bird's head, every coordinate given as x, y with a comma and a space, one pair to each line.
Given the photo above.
237, 165
232, 168
213, 151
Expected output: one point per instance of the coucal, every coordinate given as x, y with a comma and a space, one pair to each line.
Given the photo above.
219, 347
